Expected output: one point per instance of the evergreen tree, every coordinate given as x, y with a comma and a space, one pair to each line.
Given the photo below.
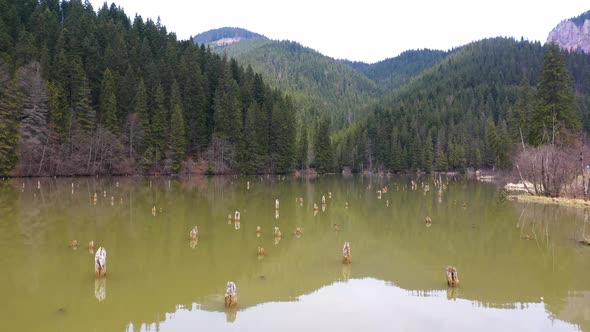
108, 104
457, 159
195, 103
521, 113
283, 135
177, 132
228, 117
11, 104
477, 159
159, 126
141, 109
554, 116
80, 98
141, 105
126, 92
252, 155
442, 163
302, 155
323, 147
58, 111
428, 154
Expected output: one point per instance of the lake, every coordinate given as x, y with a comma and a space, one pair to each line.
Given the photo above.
519, 265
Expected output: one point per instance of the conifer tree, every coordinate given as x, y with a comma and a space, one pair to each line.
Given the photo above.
520, 116
457, 158
177, 132
79, 93
141, 105
302, 155
283, 135
442, 163
428, 154
11, 104
323, 147
158, 126
108, 104
228, 119
555, 115
141, 109
58, 110
251, 155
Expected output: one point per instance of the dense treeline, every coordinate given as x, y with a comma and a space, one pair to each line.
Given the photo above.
85, 92
469, 110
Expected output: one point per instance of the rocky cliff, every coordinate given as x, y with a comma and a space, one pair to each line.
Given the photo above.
573, 34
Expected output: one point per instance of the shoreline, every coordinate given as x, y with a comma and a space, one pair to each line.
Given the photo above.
563, 201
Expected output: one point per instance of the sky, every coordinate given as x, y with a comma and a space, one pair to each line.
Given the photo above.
367, 30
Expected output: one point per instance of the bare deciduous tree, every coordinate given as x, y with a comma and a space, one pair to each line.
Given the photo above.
221, 155
33, 133
550, 168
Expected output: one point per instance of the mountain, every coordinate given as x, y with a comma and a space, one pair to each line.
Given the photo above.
394, 72
573, 34
458, 113
225, 36
319, 85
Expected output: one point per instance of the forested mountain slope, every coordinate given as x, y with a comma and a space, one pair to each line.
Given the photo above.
394, 72
459, 112
319, 84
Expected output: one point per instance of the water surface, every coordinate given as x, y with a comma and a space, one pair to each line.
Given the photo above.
519, 264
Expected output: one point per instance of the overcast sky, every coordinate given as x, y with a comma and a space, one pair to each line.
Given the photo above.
366, 30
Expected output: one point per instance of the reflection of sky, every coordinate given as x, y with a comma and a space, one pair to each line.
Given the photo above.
367, 305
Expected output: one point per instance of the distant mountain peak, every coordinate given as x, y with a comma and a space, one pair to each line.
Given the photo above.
572, 34
225, 36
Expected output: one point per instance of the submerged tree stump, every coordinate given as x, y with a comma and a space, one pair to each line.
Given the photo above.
346, 254
452, 276
231, 294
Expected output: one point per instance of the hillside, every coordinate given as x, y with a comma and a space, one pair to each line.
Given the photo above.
319, 84
459, 112
394, 72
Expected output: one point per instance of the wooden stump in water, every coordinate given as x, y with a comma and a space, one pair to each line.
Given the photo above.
194, 233
346, 254
347, 259
452, 276
100, 263
230, 300
231, 295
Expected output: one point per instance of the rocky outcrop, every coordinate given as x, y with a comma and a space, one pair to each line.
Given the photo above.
571, 37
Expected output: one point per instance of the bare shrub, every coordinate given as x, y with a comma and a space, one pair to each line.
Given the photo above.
221, 155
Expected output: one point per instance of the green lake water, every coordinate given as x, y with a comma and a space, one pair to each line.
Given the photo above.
520, 266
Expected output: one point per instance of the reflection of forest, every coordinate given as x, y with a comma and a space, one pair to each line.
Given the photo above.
153, 270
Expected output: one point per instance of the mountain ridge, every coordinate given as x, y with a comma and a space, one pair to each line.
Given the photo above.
225, 36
